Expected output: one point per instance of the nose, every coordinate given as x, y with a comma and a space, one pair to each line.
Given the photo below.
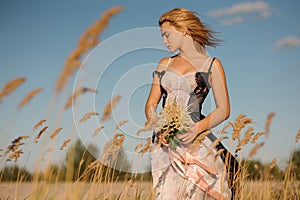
165, 41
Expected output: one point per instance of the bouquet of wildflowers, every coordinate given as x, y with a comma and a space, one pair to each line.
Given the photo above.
172, 120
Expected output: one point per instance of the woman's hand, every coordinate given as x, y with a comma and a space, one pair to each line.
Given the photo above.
190, 135
163, 141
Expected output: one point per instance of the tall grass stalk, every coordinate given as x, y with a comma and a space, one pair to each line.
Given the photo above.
100, 181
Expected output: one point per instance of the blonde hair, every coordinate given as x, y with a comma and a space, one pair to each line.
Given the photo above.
182, 18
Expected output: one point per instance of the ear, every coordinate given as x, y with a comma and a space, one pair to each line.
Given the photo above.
185, 31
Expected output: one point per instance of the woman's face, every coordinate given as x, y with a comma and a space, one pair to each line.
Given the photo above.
171, 36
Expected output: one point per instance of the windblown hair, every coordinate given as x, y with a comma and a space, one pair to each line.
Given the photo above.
182, 18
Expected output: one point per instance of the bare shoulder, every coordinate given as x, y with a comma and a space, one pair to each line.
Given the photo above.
217, 66
162, 64
217, 63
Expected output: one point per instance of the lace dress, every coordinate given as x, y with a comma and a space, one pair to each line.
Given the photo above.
172, 179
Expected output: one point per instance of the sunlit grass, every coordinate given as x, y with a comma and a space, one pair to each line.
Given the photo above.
85, 177
81, 176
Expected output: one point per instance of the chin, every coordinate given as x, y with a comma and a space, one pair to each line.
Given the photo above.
172, 50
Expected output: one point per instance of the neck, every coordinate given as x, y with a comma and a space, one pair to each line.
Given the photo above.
192, 49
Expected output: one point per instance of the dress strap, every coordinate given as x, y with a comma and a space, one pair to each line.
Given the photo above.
204, 64
161, 73
168, 63
211, 63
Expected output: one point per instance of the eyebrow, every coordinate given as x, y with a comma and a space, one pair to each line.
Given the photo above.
164, 33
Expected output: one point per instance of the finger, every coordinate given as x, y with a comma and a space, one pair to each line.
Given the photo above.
164, 142
188, 139
182, 136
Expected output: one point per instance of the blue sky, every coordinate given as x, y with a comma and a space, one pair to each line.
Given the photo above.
260, 54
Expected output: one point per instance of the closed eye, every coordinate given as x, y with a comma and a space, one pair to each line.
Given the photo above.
165, 34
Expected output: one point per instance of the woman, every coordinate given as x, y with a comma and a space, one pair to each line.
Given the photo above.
187, 77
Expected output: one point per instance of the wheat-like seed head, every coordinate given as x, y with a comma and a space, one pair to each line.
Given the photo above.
214, 144
236, 131
218, 154
95, 164
86, 116
15, 155
29, 96
109, 107
256, 136
273, 163
38, 124
65, 143
76, 93
37, 137
146, 148
121, 123
297, 136
248, 134
111, 149
118, 139
151, 122
55, 133
11, 86
240, 122
138, 146
97, 130
149, 140
198, 140
14, 150
268, 123
173, 119
88, 40
255, 149
144, 129
110, 152
224, 129
217, 141
202, 136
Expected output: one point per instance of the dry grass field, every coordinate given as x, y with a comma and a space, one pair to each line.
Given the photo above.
257, 190
78, 190
90, 179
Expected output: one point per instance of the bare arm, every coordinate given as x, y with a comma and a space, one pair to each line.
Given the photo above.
221, 97
155, 92
222, 110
